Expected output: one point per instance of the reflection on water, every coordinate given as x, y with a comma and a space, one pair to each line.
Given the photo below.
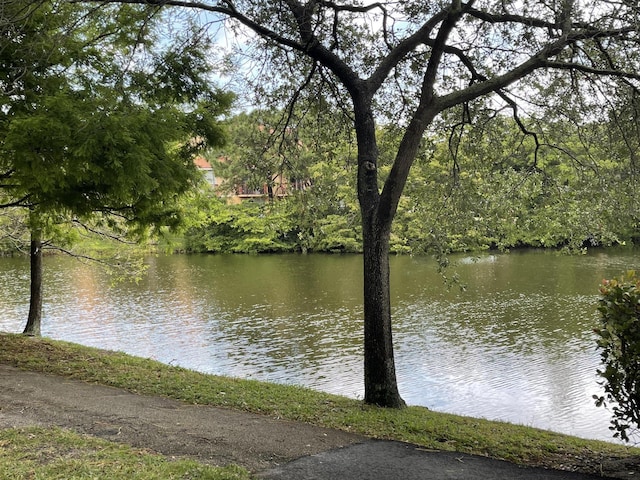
516, 345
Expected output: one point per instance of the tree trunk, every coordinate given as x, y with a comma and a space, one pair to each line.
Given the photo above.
35, 301
381, 387
380, 383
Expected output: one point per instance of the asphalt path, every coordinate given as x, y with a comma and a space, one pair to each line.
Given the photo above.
271, 448
385, 460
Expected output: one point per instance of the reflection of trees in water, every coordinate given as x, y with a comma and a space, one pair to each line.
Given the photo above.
517, 322
298, 311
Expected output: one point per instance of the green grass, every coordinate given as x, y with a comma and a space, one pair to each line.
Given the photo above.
418, 425
52, 453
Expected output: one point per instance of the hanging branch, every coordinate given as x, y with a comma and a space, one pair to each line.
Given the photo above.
523, 128
109, 236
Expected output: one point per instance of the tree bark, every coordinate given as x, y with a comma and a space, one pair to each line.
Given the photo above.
35, 301
381, 386
380, 383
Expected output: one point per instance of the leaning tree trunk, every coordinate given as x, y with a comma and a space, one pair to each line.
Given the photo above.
380, 383
35, 301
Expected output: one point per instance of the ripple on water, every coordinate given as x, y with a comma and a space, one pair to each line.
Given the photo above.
486, 358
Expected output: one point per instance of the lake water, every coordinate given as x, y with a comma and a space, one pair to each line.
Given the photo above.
517, 345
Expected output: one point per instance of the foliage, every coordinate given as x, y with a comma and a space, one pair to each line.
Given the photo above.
318, 213
488, 195
84, 135
245, 228
265, 152
493, 188
326, 213
14, 235
619, 344
82, 129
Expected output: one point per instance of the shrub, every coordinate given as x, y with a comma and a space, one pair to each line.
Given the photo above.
619, 344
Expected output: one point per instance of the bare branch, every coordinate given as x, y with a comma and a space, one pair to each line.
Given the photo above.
439, 45
353, 8
519, 19
604, 72
393, 58
47, 245
523, 128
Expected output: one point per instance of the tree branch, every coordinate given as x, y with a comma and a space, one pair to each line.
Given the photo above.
394, 185
17, 203
352, 8
229, 11
115, 238
523, 128
512, 18
499, 82
604, 72
47, 245
311, 46
391, 60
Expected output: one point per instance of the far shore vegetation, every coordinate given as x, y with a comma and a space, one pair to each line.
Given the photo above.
493, 199
46, 450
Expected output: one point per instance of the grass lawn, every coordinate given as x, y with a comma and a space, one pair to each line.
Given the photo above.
52, 453
418, 425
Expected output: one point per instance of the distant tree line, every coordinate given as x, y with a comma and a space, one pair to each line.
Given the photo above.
493, 186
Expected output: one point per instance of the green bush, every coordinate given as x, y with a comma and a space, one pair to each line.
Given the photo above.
619, 346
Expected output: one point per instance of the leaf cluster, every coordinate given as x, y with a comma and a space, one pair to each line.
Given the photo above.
618, 339
245, 228
102, 112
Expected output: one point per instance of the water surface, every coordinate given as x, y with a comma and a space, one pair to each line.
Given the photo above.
517, 345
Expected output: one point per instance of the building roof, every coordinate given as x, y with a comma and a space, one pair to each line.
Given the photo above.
202, 163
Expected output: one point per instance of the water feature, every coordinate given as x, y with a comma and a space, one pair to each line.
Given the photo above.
517, 345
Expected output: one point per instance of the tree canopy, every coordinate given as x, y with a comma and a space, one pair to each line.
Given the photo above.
98, 117
492, 196
102, 111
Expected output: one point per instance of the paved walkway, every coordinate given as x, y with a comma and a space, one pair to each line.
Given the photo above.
382, 460
273, 449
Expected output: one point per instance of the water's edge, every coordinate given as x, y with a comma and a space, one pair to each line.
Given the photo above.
516, 346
